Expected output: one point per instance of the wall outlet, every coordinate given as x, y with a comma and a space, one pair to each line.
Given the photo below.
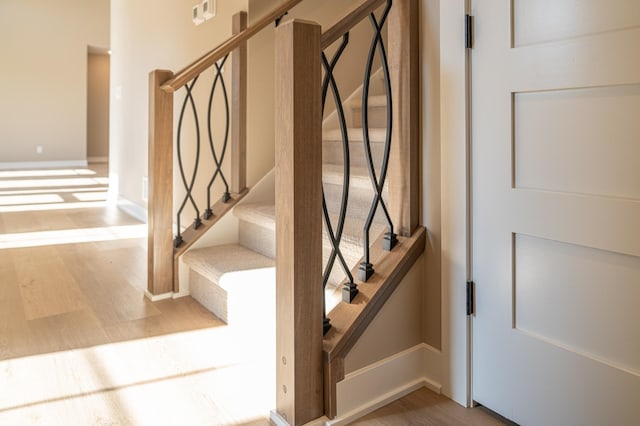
196, 14
39, 149
208, 9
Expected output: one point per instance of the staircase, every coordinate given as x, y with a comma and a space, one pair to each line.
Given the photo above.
236, 282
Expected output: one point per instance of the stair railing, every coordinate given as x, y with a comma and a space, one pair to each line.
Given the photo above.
305, 383
168, 237
306, 386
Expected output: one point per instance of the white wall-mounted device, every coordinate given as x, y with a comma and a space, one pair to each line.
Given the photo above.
196, 14
208, 9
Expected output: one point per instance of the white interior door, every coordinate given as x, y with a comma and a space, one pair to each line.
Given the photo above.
556, 210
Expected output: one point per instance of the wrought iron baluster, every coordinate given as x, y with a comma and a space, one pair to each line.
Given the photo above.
350, 289
366, 268
188, 186
218, 161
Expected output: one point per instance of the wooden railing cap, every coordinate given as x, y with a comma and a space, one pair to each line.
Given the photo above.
187, 74
349, 21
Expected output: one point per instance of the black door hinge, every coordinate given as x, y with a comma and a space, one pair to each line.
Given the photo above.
468, 31
470, 298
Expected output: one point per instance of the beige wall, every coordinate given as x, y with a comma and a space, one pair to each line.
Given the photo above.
147, 35
98, 106
164, 38
44, 76
396, 327
431, 171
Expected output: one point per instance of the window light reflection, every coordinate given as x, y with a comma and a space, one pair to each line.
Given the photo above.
57, 206
52, 183
91, 196
71, 236
44, 173
49, 191
30, 199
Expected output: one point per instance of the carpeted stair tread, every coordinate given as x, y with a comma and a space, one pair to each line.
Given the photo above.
374, 101
332, 174
263, 214
214, 262
355, 134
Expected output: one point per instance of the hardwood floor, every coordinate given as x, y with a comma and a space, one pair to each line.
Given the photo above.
424, 407
79, 342
55, 295
80, 345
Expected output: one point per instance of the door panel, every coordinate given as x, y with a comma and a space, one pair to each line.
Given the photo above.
562, 136
551, 277
556, 210
543, 21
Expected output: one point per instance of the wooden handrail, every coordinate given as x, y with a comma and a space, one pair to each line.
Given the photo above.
349, 21
187, 74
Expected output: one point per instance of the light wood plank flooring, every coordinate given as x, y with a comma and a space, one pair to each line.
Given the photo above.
424, 407
79, 343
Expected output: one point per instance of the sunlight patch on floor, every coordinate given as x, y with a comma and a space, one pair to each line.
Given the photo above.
49, 191
211, 376
50, 207
20, 200
45, 173
91, 196
52, 183
71, 236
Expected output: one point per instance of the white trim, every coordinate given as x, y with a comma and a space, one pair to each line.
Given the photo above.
24, 165
97, 159
132, 209
454, 202
365, 390
157, 297
184, 292
277, 419
165, 296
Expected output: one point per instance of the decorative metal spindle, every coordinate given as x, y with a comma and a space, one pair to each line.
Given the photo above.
350, 289
188, 186
390, 240
218, 161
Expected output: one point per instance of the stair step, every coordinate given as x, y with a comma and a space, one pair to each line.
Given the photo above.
332, 174
351, 246
374, 101
233, 282
332, 148
360, 191
377, 112
263, 214
257, 227
355, 134
257, 233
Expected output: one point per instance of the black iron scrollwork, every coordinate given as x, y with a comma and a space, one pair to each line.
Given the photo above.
218, 158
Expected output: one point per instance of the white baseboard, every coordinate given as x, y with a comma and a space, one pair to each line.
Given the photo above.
98, 159
132, 209
25, 165
157, 297
182, 293
383, 382
277, 419
165, 296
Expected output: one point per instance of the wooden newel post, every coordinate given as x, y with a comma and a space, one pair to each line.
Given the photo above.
239, 109
160, 205
299, 377
404, 168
